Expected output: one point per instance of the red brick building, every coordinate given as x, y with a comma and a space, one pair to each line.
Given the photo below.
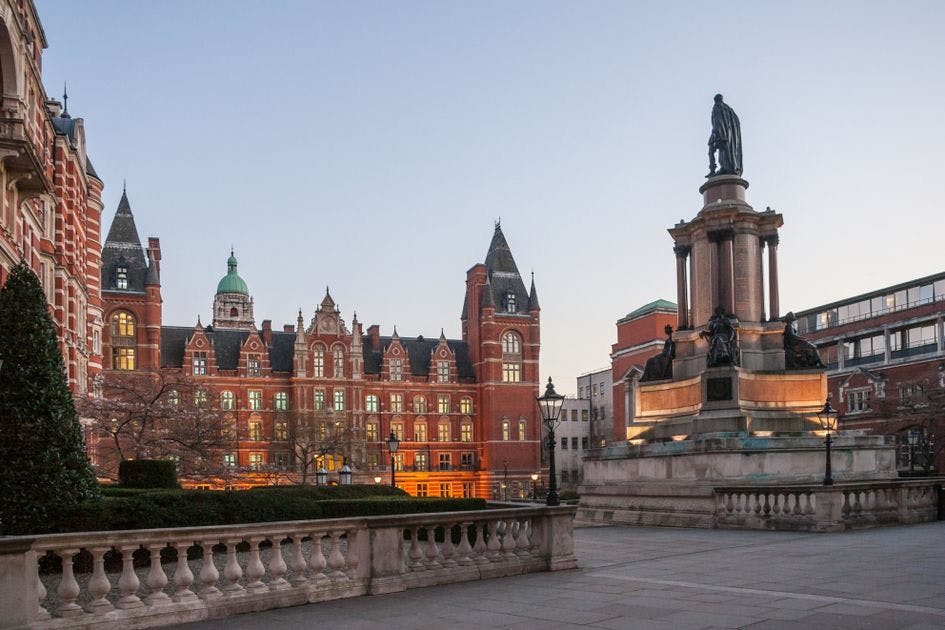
639, 336
50, 196
885, 355
463, 409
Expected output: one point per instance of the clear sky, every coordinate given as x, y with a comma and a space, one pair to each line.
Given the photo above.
370, 146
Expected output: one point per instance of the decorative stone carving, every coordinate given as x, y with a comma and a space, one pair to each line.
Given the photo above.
799, 354
722, 335
660, 367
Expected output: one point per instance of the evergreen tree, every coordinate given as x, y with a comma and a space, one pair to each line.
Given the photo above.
45, 469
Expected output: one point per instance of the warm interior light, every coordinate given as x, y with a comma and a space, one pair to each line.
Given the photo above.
679, 438
762, 433
636, 441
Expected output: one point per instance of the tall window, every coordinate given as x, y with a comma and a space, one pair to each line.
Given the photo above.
443, 403
255, 400
200, 363
399, 462
421, 462
123, 341
339, 400
371, 403
229, 459
174, 397
200, 398
396, 369
227, 401
397, 428
318, 362
511, 357
465, 405
522, 428
444, 489
446, 461
396, 403
506, 431
319, 399
253, 365
256, 460
465, 432
282, 401
510, 303
280, 430
419, 404
443, 432
370, 432
466, 461
421, 489
121, 277
255, 430
338, 360
420, 431
442, 371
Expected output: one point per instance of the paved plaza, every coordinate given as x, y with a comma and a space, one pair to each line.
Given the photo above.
675, 578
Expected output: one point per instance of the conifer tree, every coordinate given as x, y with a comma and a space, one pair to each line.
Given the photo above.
45, 469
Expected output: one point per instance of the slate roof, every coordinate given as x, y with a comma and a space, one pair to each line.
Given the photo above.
504, 278
419, 352
226, 347
123, 248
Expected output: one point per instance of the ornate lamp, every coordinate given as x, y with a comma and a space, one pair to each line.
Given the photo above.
828, 422
344, 475
550, 404
392, 445
321, 476
377, 479
534, 485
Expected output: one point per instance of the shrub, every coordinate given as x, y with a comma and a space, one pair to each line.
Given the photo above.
45, 469
344, 508
354, 491
148, 473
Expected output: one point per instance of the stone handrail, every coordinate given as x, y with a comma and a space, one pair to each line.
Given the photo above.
259, 566
822, 508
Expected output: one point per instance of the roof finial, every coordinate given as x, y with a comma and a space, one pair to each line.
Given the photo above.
65, 101
124, 186
498, 223
231, 250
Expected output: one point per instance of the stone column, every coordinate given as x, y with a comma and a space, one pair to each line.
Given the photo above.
682, 287
726, 272
841, 353
887, 351
774, 307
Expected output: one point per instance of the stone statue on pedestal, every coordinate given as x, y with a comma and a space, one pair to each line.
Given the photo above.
721, 333
799, 354
726, 138
660, 367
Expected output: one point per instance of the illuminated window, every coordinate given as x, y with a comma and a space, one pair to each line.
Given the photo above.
506, 431
522, 428
123, 341
256, 460
319, 399
200, 398
123, 358
280, 430
174, 397
370, 433
282, 401
227, 401
396, 403
229, 459
397, 428
511, 343
443, 432
253, 366
465, 432
465, 405
443, 403
339, 400
420, 431
255, 400
399, 462
200, 363
255, 430
123, 324
121, 277
420, 462
371, 403
419, 404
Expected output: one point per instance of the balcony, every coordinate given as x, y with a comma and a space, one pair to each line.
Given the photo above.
24, 165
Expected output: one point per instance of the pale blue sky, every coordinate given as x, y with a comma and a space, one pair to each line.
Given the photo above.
369, 146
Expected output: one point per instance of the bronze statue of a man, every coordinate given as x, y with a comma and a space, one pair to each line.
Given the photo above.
726, 138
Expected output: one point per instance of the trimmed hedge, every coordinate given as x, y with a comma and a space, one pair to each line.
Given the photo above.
353, 491
345, 508
148, 473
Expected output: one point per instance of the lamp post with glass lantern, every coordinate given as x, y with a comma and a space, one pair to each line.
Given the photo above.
392, 445
321, 476
534, 486
377, 479
550, 404
828, 422
344, 475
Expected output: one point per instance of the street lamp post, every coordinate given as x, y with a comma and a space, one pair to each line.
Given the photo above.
377, 479
828, 422
392, 445
534, 486
550, 406
505, 480
344, 475
321, 476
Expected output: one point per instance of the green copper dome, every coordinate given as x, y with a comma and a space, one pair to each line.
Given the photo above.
231, 282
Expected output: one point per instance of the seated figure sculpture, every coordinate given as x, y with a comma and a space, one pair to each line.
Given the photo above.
721, 333
799, 354
660, 367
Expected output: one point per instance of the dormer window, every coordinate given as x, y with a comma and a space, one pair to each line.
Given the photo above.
121, 277
510, 304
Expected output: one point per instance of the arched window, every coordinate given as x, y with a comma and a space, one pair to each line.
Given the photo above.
121, 277
397, 428
506, 430
234, 312
124, 341
465, 432
443, 431
338, 359
465, 405
510, 303
227, 401
420, 431
522, 428
511, 357
318, 362
419, 404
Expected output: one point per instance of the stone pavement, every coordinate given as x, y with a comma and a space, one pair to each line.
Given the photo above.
636, 577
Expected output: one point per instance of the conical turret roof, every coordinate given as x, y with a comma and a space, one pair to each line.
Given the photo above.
124, 267
504, 288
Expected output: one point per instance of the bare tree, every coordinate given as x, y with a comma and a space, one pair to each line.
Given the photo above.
316, 435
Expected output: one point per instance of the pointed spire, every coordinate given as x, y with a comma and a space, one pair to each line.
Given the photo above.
123, 228
65, 102
533, 296
199, 325
299, 322
442, 335
395, 335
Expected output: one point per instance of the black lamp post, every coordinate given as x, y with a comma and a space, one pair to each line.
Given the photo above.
550, 405
321, 476
392, 445
534, 486
828, 422
344, 475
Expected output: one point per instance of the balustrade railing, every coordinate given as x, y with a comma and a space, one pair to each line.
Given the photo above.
827, 508
146, 578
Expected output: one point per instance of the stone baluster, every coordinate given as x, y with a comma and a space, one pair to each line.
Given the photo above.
336, 560
508, 543
277, 567
464, 550
351, 557
521, 541
183, 576
68, 589
415, 553
316, 560
776, 508
479, 549
41, 613
209, 575
433, 550
846, 509
99, 586
494, 545
129, 583
298, 561
798, 510
232, 571
254, 568
447, 549
729, 506
157, 579
767, 505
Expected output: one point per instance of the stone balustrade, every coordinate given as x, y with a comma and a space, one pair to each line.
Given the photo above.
827, 508
147, 578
